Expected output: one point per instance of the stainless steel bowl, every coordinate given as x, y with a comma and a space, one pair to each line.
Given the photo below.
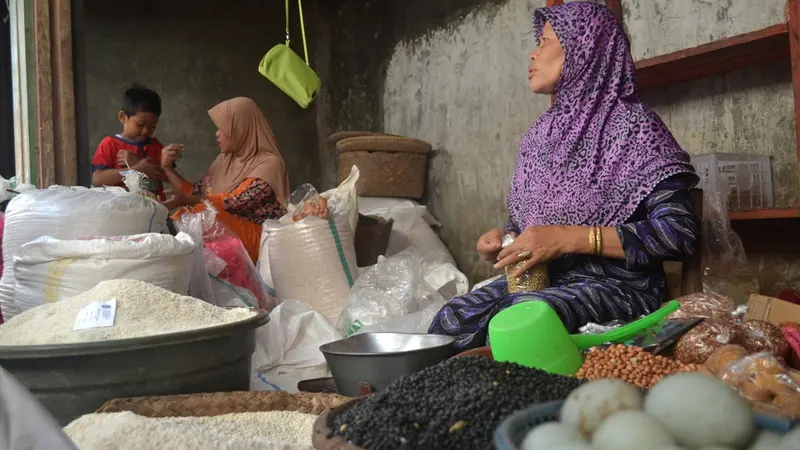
369, 362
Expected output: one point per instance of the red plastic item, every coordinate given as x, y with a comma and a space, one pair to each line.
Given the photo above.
791, 332
790, 296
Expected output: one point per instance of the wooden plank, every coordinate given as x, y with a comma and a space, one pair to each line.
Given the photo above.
44, 91
737, 52
64, 126
760, 214
793, 22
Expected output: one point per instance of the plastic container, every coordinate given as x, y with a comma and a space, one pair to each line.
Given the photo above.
747, 179
512, 430
531, 334
75, 379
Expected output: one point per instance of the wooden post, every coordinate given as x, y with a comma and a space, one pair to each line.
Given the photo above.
44, 91
793, 22
64, 126
55, 93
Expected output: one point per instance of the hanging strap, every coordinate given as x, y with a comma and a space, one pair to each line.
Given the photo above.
302, 27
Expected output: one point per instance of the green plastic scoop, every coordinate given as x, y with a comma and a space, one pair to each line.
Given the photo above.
586, 341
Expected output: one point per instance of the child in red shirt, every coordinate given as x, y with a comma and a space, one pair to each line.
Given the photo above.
135, 147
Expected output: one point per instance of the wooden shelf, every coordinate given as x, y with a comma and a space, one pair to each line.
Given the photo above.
759, 214
737, 52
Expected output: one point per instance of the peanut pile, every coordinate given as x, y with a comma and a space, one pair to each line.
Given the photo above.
630, 364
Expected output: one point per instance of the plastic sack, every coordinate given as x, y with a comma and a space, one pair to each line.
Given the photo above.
224, 256
312, 260
227, 295
413, 227
699, 343
48, 270
287, 348
705, 305
759, 336
763, 380
24, 422
71, 213
391, 294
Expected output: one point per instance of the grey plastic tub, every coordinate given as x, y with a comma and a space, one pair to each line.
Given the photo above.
75, 379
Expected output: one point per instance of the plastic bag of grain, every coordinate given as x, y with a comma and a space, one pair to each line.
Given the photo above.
313, 260
69, 213
48, 270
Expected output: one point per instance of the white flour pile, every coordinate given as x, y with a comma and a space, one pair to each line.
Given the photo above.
143, 309
274, 430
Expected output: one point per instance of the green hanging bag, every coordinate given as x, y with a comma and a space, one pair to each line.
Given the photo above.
285, 69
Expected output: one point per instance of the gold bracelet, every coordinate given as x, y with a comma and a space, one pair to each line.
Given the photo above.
599, 241
592, 241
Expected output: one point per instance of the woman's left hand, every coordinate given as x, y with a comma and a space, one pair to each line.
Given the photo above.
536, 245
179, 199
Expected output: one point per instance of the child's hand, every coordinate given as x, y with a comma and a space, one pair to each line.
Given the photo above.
171, 154
148, 168
127, 159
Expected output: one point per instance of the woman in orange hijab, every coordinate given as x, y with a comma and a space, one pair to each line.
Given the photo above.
246, 183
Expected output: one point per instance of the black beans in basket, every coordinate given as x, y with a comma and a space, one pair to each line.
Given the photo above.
457, 404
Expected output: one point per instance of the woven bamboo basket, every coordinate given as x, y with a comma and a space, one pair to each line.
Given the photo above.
390, 166
339, 135
219, 403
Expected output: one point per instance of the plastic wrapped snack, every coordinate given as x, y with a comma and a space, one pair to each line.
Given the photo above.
759, 336
705, 305
724, 356
763, 380
696, 346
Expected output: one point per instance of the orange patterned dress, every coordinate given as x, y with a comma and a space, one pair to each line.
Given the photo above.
243, 210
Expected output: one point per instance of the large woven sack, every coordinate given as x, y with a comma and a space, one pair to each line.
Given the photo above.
71, 213
48, 270
312, 261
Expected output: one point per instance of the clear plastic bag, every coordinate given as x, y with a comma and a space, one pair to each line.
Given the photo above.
705, 305
224, 255
699, 343
766, 382
391, 296
725, 267
758, 336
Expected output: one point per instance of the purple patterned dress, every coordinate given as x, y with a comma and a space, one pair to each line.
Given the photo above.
597, 157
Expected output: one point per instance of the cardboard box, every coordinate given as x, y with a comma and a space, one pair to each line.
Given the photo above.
777, 311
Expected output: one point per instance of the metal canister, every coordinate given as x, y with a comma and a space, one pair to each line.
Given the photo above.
533, 280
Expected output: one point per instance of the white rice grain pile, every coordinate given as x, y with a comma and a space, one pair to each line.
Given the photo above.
274, 430
143, 309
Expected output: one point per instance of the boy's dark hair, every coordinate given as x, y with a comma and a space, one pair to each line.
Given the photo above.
140, 99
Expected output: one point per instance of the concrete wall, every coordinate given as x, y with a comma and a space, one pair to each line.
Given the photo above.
463, 88
195, 54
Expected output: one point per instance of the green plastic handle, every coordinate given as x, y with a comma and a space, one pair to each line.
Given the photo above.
586, 341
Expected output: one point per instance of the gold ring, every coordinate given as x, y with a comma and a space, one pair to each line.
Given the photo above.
524, 255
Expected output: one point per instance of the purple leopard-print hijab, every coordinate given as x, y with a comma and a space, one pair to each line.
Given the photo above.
597, 152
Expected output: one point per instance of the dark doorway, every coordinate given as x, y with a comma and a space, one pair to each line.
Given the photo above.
7, 167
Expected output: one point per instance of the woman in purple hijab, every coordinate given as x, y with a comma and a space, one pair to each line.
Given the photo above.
601, 191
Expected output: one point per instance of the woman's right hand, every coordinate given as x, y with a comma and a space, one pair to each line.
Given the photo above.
490, 244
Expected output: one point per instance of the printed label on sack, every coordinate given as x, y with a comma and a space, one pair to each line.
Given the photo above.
96, 315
